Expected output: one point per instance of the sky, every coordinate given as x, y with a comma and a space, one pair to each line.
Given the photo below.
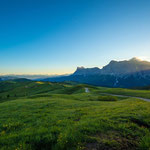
56, 36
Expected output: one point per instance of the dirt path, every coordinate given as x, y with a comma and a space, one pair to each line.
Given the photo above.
87, 90
141, 98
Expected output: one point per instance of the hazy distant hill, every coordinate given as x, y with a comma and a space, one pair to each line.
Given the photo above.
128, 73
31, 77
4, 78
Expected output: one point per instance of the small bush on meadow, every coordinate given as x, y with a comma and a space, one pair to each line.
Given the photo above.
145, 142
107, 98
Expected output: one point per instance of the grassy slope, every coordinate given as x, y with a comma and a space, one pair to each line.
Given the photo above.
73, 120
128, 92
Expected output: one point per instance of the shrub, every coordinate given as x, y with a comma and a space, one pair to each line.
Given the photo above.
145, 142
107, 98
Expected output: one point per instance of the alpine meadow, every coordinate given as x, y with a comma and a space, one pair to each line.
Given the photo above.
75, 75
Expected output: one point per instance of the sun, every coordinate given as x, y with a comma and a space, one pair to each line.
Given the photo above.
142, 58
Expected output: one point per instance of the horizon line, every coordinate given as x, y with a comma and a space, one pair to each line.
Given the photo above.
55, 74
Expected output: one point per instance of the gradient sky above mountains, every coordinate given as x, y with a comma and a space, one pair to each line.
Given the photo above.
56, 36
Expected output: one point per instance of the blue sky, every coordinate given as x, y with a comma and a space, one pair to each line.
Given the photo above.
56, 36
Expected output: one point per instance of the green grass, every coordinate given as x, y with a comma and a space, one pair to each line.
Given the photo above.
64, 117
127, 92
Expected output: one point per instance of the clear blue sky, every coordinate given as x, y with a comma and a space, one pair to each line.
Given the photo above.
56, 36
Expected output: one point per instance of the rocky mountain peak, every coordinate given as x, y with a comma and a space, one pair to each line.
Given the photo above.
135, 59
116, 67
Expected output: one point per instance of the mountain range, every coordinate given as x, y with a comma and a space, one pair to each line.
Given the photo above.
127, 74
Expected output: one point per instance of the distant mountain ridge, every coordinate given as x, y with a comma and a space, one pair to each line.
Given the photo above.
116, 68
126, 74
87, 71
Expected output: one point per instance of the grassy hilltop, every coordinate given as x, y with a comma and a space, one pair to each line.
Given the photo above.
61, 116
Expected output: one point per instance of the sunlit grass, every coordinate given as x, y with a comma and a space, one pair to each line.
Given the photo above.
63, 122
64, 117
40, 82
